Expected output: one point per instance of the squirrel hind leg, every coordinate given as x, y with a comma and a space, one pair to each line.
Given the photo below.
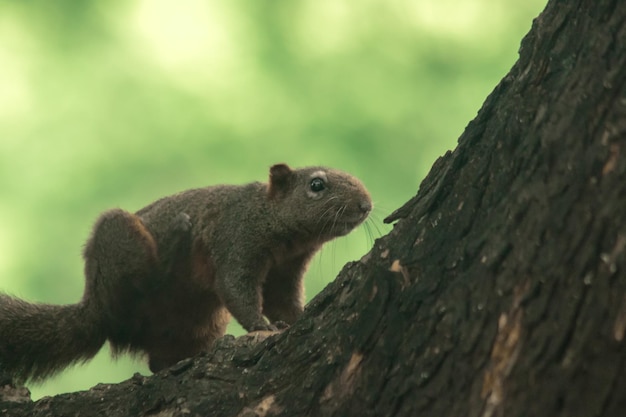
120, 258
166, 351
120, 241
118, 228
175, 244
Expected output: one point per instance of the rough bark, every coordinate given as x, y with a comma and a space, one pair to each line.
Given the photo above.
501, 290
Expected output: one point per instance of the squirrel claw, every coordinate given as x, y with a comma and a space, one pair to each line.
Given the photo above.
280, 325
263, 327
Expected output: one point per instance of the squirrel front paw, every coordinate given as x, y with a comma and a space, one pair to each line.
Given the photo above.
280, 325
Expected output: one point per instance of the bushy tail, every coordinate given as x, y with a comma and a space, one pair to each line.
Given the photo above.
38, 340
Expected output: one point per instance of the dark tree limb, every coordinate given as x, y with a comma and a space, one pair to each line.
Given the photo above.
501, 290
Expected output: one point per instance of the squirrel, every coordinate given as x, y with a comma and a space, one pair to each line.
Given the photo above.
165, 280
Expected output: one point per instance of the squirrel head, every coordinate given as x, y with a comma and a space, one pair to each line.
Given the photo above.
320, 202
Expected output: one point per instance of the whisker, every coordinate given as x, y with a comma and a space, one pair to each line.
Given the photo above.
338, 215
323, 215
384, 208
368, 232
327, 209
374, 221
333, 253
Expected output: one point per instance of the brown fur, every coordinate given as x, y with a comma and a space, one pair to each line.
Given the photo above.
165, 280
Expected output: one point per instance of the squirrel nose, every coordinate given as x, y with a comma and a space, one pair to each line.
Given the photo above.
365, 206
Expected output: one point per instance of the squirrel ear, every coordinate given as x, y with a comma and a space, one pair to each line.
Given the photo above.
280, 175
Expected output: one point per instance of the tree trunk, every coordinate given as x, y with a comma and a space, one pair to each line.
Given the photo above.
501, 290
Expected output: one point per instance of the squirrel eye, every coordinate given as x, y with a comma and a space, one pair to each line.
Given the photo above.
317, 185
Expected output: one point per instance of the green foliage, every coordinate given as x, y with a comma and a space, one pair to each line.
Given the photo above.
117, 103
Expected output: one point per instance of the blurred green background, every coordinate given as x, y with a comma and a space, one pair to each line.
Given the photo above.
117, 103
